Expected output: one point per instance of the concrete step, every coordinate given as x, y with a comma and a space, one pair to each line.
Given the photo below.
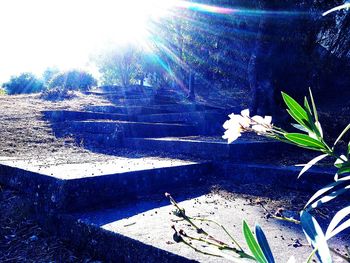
209, 122
77, 186
66, 115
125, 129
150, 109
130, 101
141, 231
189, 117
242, 150
130, 110
276, 175
120, 91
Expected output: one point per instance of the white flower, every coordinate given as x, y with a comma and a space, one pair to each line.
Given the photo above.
261, 125
232, 134
236, 125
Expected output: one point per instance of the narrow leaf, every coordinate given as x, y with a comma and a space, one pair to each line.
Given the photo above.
313, 105
344, 169
332, 229
299, 120
300, 127
341, 135
315, 126
326, 189
337, 8
253, 244
315, 236
329, 197
307, 106
305, 141
311, 163
295, 110
340, 228
339, 163
319, 128
260, 236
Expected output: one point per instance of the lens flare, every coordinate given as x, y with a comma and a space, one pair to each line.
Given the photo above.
40, 33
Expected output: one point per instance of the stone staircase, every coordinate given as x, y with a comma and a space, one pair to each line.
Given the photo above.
116, 209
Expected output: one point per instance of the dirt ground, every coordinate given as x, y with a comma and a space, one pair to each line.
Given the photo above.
24, 134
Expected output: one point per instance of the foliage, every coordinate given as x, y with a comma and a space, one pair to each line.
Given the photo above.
309, 137
57, 94
122, 66
23, 84
49, 74
73, 80
2, 92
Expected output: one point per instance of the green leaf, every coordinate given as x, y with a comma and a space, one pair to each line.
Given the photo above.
332, 229
253, 244
313, 105
330, 197
307, 106
302, 122
311, 163
300, 127
260, 236
344, 169
315, 236
320, 193
318, 129
348, 149
296, 111
341, 135
305, 141
341, 161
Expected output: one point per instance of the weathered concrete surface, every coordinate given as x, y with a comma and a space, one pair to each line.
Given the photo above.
242, 150
276, 175
182, 116
150, 109
71, 186
127, 129
137, 230
66, 115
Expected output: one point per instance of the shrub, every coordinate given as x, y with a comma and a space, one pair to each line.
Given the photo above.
2, 92
25, 83
49, 74
73, 80
57, 94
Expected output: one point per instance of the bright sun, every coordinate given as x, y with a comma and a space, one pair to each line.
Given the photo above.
36, 34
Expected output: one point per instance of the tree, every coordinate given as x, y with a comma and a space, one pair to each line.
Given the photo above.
73, 80
48, 74
23, 84
123, 65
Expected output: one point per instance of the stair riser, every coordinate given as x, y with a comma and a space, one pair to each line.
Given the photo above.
127, 110
106, 245
108, 190
125, 129
275, 177
214, 151
52, 194
60, 116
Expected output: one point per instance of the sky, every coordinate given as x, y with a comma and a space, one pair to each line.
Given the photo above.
36, 34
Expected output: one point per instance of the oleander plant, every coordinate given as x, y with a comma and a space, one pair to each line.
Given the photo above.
310, 136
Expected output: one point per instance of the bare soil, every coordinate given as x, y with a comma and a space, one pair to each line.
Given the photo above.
24, 133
